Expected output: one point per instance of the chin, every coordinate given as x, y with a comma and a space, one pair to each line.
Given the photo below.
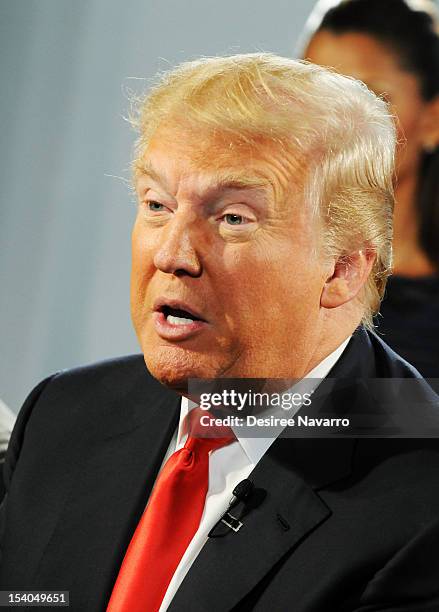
174, 366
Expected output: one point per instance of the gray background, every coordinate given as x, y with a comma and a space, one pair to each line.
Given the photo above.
65, 219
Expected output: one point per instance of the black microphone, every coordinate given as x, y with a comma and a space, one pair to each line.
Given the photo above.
240, 493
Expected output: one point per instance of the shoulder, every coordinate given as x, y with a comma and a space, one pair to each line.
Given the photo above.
70, 403
112, 378
378, 359
120, 371
92, 385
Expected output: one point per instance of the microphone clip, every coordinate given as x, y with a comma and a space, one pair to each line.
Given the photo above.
241, 494
231, 521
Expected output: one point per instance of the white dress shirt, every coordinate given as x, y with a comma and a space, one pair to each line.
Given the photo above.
227, 467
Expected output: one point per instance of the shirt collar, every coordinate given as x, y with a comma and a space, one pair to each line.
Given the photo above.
255, 448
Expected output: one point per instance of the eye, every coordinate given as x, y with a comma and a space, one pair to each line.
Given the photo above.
232, 219
155, 206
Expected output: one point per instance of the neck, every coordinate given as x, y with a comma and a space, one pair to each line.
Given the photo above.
336, 325
409, 257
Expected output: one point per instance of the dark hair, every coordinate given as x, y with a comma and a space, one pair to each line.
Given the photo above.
413, 36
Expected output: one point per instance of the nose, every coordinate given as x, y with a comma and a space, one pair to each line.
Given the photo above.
176, 253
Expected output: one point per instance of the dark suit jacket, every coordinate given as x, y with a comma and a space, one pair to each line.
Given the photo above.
345, 524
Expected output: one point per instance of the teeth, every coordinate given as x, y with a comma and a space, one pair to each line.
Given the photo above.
178, 320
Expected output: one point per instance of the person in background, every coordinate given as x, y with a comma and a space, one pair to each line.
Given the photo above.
7, 420
393, 47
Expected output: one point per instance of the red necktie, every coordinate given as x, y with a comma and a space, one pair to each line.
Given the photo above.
168, 523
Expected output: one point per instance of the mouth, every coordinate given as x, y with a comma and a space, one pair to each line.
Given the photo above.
176, 321
179, 316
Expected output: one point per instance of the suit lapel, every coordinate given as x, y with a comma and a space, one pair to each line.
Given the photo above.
234, 564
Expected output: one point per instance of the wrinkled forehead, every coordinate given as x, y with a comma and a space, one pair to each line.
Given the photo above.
221, 156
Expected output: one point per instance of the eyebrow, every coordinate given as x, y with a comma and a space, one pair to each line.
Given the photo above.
239, 180
224, 179
148, 170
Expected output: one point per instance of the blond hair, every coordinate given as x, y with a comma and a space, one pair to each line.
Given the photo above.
342, 130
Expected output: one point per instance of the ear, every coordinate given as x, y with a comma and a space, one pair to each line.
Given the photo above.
430, 125
348, 275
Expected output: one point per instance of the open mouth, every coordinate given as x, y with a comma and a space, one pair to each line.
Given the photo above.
178, 316
175, 320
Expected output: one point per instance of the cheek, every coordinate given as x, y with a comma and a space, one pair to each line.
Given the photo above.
409, 121
141, 253
407, 126
141, 267
263, 284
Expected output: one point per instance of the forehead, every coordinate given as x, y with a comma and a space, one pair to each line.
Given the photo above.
219, 160
353, 53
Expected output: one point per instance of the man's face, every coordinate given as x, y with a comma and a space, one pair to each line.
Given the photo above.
226, 278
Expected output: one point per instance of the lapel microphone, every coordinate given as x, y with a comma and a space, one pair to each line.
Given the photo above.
228, 522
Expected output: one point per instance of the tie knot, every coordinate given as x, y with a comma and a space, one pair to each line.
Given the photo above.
205, 431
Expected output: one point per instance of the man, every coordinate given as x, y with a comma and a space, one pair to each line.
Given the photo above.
260, 250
